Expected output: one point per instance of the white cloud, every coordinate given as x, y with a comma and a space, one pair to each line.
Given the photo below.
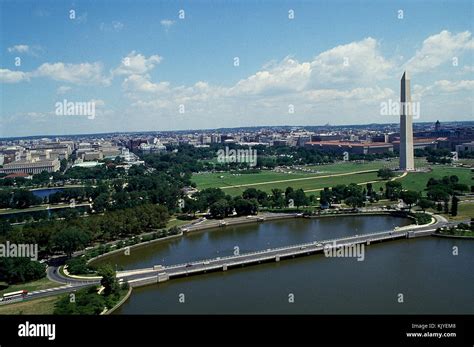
288, 75
442, 87
19, 49
454, 86
167, 23
142, 84
82, 74
9, 76
468, 68
63, 90
136, 63
355, 63
438, 49
26, 49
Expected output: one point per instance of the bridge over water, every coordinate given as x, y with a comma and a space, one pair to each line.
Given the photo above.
161, 273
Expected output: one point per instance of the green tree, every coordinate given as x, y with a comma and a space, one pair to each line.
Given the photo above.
20, 270
385, 173
277, 198
454, 205
219, 209
425, 203
109, 280
393, 190
354, 201
70, 240
300, 198
409, 197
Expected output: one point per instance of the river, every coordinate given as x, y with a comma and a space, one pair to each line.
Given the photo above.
425, 271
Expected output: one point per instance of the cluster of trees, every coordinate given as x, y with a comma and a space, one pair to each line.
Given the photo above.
74, 234
352, 195
440, 191
438, 194
20, 270
221, 205
88, 301
441, 156
18, 198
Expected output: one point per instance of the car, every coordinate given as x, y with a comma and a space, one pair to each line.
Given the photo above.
303, 247
189, 265
205, 262
319, 244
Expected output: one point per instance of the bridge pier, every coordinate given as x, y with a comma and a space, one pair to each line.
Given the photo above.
162, 277
368, 242
224, 267
277, 258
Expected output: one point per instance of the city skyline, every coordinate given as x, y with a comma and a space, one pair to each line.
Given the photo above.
288, 74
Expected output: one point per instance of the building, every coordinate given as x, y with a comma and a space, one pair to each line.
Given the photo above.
420, 143
31, 167
407, 160
465, 147
351, 147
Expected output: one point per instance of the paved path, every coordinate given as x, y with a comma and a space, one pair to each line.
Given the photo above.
297, 179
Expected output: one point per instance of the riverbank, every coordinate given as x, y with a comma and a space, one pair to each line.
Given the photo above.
207, 224
128, 248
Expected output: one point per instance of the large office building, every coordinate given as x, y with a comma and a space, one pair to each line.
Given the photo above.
351, 147
407, 161
31, 167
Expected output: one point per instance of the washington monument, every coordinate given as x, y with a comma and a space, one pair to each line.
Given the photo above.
407, 162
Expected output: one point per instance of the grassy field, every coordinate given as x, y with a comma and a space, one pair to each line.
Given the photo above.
38, 306
465, 211
308, 185
267, 180
176, 223
417, 181
43, 283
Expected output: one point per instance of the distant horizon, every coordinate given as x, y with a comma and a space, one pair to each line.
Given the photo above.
222, 128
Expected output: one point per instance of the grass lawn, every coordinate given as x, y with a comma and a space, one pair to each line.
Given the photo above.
308, 185
37, 306
43, 283
267, 180
465, 211
176, 222
417, 181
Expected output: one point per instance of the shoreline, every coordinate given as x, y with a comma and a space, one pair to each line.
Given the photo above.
233, 221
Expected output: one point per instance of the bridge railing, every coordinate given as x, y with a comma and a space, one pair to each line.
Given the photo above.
284, 248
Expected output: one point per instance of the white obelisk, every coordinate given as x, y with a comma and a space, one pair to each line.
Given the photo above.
407, 162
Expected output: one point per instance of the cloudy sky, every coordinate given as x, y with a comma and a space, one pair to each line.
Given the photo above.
156, 65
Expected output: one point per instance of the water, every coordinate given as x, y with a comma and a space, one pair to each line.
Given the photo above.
42, 193
251, 237
431, 279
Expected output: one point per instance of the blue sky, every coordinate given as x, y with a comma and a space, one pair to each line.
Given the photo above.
334, 62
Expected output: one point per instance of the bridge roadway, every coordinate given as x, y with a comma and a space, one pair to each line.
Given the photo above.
162, 273
273, 254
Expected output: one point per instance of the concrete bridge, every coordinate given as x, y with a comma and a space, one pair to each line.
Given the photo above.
161, 273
